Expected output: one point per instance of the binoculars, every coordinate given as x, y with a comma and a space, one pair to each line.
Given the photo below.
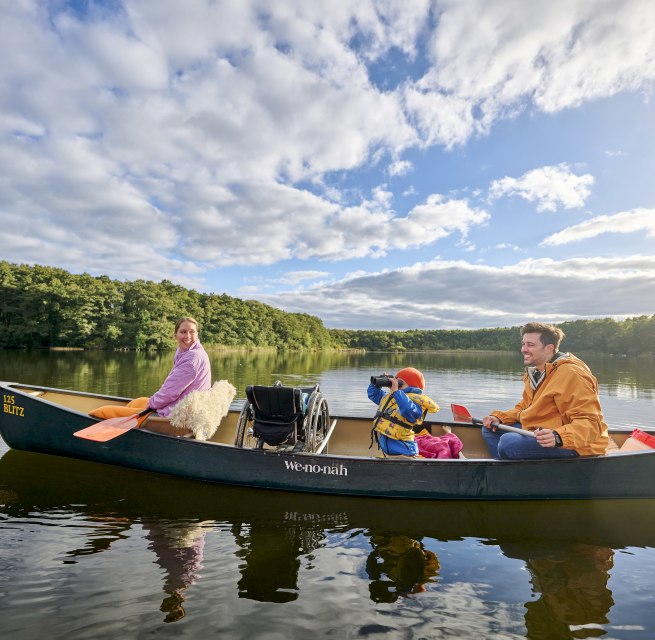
381, 381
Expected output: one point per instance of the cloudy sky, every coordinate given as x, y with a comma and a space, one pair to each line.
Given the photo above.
388, 164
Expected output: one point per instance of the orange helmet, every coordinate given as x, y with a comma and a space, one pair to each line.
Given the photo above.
413, 377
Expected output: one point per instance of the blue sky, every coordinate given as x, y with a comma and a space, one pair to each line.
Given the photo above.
383, 165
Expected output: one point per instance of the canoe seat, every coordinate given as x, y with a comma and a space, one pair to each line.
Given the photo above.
284, 418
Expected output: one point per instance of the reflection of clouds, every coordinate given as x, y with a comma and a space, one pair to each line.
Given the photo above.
470, 610
473, 596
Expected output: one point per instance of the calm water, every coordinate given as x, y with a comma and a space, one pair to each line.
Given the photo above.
88, 551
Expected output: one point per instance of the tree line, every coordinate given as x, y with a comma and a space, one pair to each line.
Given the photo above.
46, 307
634, 336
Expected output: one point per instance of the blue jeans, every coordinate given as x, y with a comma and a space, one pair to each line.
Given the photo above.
397, 447
506, 445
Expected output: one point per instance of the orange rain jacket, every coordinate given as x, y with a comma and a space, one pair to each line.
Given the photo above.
566, 401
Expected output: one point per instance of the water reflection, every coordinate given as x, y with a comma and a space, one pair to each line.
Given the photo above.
571, 585
178, 548
271, 553
103, 531
287, 550
399, 566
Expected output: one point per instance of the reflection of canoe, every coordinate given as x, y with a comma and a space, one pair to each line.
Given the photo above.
43, 420
92, 490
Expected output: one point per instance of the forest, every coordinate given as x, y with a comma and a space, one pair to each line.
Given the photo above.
47, 307
633, 336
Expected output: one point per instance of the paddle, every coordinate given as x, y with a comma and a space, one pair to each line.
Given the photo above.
112, 427
462, 414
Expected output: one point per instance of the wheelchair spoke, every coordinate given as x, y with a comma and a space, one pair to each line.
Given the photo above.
244, 435
316, 422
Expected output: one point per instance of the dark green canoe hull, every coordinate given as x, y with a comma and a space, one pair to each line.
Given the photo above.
30, 423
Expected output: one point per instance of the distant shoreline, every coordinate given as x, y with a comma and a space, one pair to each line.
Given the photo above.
253, 349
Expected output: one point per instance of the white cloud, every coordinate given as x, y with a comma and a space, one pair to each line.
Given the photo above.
442, 119
139, 67
279, 223
492, 59
187, 138
609, 50
625, 222
301, 276
399, 168
550, 187
457, 294
162, 139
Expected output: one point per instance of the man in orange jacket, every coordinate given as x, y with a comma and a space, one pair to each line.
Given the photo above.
560, 404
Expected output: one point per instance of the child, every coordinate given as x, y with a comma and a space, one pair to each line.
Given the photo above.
400, 409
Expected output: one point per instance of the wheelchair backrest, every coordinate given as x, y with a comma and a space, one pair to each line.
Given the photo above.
275, 402
277, 412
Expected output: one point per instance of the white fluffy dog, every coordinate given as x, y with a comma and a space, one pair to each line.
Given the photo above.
202, 411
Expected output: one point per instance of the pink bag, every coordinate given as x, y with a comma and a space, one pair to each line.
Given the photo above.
446, 446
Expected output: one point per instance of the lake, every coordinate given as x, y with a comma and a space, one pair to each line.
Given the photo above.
88, 551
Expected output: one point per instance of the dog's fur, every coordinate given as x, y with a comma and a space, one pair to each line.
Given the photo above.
202, 411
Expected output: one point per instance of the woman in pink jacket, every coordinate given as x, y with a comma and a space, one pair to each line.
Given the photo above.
191, 372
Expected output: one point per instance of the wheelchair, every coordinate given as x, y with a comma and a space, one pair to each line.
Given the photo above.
285, 418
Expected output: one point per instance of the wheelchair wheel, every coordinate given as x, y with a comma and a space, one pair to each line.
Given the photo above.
317, 422
244, 435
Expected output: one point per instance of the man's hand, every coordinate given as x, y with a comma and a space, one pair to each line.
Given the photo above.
491, 422
545, 437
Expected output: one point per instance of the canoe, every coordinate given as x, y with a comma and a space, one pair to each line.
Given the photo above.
44, 420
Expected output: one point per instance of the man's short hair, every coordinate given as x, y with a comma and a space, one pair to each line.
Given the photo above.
548, 333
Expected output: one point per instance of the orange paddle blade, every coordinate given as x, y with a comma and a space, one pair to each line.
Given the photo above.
460, 413
111, 428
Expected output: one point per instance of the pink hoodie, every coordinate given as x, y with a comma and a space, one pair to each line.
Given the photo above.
191, 372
